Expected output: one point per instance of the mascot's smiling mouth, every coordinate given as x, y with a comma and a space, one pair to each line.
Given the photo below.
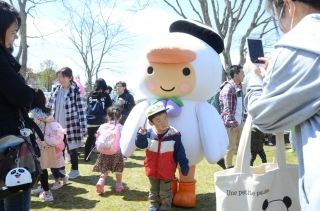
167, 90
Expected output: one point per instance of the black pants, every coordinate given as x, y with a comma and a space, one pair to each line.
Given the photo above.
44, 180
262, 155
56, 173
74, 159
73, 155
90, 141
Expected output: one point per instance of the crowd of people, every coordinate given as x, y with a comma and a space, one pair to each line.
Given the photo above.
278, 97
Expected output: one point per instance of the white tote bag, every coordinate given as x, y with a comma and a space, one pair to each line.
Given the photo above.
270, 186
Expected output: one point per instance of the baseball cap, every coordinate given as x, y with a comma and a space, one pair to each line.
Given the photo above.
155, 108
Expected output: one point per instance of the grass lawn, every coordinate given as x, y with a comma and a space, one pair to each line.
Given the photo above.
79, 193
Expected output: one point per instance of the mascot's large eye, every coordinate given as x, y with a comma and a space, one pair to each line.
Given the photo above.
186, 71
150, 70
13, 172
21, 170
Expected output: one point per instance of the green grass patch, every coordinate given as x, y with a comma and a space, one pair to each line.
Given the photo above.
80, 194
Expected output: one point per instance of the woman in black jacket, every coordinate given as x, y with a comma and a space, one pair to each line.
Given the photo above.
124, 100
97, 104
14, 93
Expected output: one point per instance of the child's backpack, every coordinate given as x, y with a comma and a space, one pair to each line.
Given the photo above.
54, 133
108, 139
95, 111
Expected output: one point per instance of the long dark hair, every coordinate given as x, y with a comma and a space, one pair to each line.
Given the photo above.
39, 101
100, 87
8, 15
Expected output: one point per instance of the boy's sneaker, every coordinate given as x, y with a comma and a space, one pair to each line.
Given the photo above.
56, 186
100, 186
74, 174
119, 188
152, 209
37, 191
46, 197
65, 179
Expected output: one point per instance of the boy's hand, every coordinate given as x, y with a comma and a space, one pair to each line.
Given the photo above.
184, 174
142, 130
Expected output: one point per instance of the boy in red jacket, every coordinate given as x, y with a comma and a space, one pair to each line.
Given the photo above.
164, 150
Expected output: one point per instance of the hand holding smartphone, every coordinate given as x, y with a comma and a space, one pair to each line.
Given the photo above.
255, 50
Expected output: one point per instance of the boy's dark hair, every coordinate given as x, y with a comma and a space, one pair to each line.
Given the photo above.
8, 15
150, 118
114, 113
39, 101
234, 69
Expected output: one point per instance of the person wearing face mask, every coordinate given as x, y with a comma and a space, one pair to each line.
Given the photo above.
285, 92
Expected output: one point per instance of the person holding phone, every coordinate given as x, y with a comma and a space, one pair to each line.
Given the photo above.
232, 111
285, 92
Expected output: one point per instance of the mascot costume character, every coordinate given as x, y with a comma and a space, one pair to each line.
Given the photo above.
183, 70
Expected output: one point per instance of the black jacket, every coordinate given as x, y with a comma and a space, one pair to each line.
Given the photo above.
128, 106
14, 93
107, 100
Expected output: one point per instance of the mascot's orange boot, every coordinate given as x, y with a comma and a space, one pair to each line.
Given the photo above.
186, 195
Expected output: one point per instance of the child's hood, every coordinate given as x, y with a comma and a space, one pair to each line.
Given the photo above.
40, 115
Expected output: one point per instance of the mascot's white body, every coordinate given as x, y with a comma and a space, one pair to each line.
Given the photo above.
202, 131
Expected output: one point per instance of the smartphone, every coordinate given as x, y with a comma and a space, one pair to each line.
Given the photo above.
255, 50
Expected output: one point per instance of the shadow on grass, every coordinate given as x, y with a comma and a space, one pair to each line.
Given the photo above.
127, 194
137, 157
66, 199
132, 165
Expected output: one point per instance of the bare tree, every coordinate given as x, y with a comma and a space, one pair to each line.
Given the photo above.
25, 8
226, 16
96, 35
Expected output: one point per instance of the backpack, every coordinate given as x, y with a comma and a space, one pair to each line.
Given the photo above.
108, 138
95, 111
54, 133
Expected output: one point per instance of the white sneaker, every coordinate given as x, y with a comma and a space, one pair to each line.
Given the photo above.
74, 174
37, 191
56, 186
65, 179
46, 197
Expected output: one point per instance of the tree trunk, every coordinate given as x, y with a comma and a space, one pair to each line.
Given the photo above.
23, 38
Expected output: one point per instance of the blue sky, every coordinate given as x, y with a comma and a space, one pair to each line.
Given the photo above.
145, 25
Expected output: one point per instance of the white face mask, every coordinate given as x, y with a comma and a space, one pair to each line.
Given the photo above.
294, 10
